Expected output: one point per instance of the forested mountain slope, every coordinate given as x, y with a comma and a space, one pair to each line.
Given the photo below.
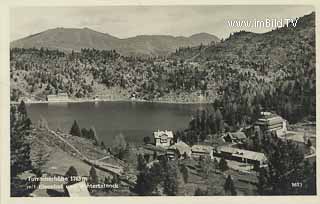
243, 74
274, 69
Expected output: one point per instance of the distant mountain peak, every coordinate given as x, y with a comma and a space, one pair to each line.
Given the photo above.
202, 34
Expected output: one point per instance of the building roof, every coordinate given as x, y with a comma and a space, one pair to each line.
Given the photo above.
244, 153
238, 135
201, 148
181, 147
268, 118
78, 190
271, 121
159, 134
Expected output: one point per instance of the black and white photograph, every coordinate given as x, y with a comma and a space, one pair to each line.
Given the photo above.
162, 100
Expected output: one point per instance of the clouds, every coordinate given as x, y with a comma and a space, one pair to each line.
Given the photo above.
128, 21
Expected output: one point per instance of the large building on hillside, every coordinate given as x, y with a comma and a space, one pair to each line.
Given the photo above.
163, 138
270, 122
58, 97
241, 155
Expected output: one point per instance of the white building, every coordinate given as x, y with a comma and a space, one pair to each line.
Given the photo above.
58, 98
270, 122
163, 138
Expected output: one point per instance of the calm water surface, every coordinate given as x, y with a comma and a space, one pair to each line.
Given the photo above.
134, 120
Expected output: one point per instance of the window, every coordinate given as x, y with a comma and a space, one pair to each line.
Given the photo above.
163, 138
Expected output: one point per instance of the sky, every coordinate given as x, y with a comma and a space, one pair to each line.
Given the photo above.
130, 21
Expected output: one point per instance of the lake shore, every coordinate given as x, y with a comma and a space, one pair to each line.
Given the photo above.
114, 100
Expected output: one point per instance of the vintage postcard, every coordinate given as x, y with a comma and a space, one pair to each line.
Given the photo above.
162, 100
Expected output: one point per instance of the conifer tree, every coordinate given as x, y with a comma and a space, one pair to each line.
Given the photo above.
141, 165
223, 165
262, 182
93, 135
185, 174
93, 177
170, 186
229, 186
75, 129
144, 185
71, 172
22, 109
19, 140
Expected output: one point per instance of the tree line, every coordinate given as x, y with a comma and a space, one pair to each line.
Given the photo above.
20, 151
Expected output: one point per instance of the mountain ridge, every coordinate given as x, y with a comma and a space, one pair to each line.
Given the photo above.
68, 39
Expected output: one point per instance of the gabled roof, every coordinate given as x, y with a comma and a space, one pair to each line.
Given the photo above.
159, 133
238, 135
181, 147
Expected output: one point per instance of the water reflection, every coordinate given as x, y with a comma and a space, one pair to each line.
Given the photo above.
133, 119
